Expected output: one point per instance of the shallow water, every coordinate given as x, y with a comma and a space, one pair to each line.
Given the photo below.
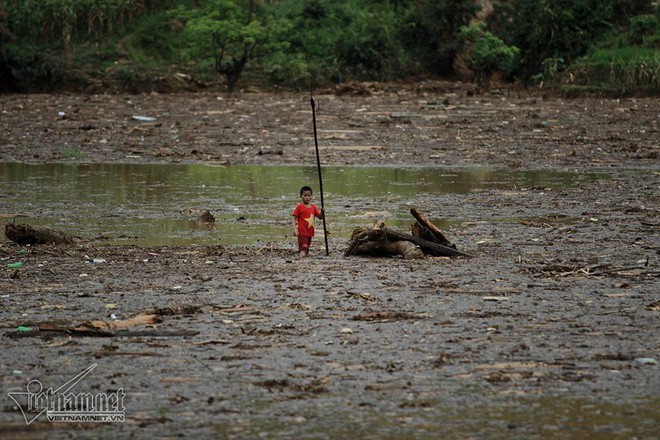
495, 417
147, 204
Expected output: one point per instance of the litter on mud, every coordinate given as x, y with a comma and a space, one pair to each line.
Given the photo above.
100, 328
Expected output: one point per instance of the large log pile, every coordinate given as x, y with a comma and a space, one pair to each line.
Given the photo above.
426, 239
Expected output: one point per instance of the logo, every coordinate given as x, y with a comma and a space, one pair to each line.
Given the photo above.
62, 405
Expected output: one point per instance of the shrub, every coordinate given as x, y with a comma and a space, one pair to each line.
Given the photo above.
487, 53
552, 29
644, 30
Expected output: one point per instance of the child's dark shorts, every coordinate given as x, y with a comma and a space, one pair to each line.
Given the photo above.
304, 243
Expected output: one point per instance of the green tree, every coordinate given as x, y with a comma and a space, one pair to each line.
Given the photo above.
228, 33
486, 53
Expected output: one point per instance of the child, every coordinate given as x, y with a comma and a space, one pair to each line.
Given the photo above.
303, 220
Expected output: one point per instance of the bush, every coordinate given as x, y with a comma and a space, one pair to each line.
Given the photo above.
487, 53
644, 30
287, 69
367, 49
552, 29
25, 64
152, 39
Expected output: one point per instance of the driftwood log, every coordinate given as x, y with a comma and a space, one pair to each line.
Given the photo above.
438, 248
374, 241
24, 234
427, 239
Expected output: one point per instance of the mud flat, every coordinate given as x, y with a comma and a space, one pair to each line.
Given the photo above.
550, 331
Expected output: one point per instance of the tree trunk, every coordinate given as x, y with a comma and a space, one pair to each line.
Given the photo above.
441, 249
382, 248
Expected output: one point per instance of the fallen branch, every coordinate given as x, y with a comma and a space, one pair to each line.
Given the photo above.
426, 228
445, 250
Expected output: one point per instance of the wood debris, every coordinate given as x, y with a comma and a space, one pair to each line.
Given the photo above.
426, 239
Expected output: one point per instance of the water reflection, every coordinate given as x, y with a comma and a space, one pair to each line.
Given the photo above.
143, 203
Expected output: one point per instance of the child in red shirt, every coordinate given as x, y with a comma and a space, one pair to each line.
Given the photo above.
303, 220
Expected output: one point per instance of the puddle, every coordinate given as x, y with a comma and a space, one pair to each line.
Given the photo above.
145, 204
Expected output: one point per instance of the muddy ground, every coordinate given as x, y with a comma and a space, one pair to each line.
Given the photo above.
550, 331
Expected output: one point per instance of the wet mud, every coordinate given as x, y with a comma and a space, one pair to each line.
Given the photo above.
550, 331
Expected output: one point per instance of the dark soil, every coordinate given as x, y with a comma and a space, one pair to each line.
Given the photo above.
550, 331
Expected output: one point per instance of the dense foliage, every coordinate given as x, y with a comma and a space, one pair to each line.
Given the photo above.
486, 53
551, 34
292, 42
627, 63
38, 39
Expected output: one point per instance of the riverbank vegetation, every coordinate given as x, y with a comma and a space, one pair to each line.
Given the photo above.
581, 46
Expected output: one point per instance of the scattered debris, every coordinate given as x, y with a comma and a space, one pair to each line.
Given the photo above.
101, 328
143, 118
103, 353
654, 306
495, 298
354, 88
387, 315
267, 149
315, 386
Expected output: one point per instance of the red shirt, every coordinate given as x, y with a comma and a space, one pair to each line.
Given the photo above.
305, 216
